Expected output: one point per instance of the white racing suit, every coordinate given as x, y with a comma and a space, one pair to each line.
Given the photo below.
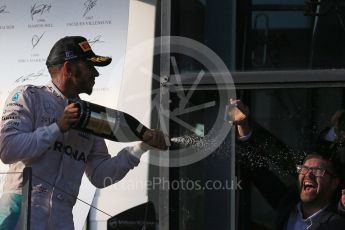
30, 137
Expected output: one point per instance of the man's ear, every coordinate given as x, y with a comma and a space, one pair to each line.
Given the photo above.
66, 69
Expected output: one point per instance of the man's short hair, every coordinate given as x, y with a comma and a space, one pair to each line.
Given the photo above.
331, 156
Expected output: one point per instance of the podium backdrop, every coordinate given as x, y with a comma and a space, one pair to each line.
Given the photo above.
29, 28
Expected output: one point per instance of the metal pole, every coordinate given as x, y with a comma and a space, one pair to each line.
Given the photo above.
164, 106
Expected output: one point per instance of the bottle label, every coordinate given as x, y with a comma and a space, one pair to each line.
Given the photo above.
102, 123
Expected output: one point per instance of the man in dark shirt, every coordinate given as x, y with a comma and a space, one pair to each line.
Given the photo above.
314, 204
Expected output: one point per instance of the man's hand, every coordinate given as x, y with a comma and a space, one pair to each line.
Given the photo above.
238, 115
238, 112
153, 139
342, 200
68, 118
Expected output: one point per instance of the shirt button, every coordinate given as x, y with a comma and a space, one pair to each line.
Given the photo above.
60, 197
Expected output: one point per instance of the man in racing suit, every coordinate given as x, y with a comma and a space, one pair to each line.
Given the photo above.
35, 132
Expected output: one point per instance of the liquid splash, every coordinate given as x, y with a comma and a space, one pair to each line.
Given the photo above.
263, 155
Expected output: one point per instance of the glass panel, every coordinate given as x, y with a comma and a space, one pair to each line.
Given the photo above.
201, 190
285, 123
257, 36
264, 34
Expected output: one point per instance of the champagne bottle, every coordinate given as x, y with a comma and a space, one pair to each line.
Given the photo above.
119, 126
107, 123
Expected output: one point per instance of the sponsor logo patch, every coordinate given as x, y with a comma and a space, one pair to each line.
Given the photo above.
14, 105
10, 117
15, 97
70, 55
75, 154
85, 46
54, 92
48, 120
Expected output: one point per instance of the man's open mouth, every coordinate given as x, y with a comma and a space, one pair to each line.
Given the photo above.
309, 186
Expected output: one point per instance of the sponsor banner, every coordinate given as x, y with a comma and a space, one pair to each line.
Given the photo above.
28, 30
